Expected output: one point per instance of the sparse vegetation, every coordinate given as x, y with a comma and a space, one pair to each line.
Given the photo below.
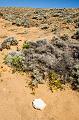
26, 45
15, 61
41, 61
42, 57
76, 35
54, 81
10, 41
69, 20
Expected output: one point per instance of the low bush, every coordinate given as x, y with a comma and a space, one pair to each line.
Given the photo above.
54, 81
25, 45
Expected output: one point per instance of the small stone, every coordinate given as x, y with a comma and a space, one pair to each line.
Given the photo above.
39, 104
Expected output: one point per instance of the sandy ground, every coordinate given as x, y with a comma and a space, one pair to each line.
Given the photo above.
15, 95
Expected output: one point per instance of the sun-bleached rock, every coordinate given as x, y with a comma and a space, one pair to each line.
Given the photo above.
38, 104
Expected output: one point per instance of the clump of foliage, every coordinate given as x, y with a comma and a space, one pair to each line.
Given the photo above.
77, 32
75, 77
25, 45
41, 57
32, 86
15, 61
69, 20
1, 14
54, 81
76, 20
76, 35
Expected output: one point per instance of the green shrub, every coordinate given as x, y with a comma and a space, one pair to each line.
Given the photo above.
25, 45
54, 81
17, 61
69, 20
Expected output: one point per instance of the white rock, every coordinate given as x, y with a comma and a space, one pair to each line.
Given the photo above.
38, 104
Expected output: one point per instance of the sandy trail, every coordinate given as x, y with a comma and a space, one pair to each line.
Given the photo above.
15, 95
